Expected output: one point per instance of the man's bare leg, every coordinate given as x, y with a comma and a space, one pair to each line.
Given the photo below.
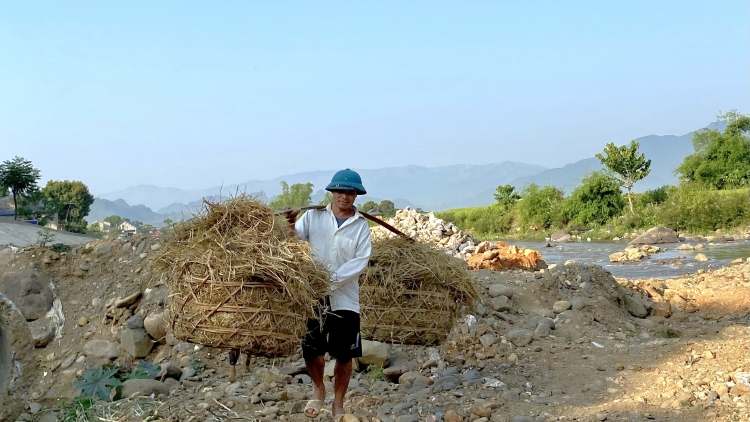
342, 372
315, 368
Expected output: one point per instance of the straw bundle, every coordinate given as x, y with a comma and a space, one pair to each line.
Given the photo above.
239, 280
411, 293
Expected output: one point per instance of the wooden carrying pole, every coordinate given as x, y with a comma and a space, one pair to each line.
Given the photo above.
364, 214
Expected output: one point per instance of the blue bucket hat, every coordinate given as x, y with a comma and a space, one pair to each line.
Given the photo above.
346, 180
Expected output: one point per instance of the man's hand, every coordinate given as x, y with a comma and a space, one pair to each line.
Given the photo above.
291, 216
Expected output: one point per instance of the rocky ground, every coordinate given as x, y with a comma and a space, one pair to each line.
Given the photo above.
569, 342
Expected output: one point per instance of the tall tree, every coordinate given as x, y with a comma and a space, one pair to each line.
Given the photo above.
628, 165
69, 200
113, 220
387, 207
369, 206
297, 195
720, 159
327, 199
20, 176
595, 201
506, 195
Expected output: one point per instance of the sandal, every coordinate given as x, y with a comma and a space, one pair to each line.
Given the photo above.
313, 406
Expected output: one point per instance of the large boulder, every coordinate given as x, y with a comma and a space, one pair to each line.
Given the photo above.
561, 236
29, 290
656, 235
18, 368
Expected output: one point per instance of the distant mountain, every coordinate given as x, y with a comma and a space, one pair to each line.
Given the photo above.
426, 187
102, 208
665, 152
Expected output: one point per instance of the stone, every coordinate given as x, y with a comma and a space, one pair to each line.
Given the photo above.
699, 257
577, 303
561, 306
84, 266
134, 322
542, 330
156, 246
375, 353
685, 247
635, 306
487, 340
522, 419
349, 418
42, 331
35, 408
82, 321
501, 304
6, 256
452, 416
560, 236
144, 387
48, 417
29, 290
496, 290
136, 342
662, 309
128, 299
482, 410
656, 235
520, 338
101, 349
156, 326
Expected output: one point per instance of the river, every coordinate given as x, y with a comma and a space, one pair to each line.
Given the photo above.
658, 265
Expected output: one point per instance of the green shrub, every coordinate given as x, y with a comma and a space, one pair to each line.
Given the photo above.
540, 208
691, 207
597, 200
481, 222
654, 197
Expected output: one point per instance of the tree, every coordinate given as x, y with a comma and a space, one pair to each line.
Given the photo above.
20, 176
327, 199
627, 164
539, 207
113, 220
387, 207
595, 201
368, 206
69, 200
298, 195
720, 159
506, 195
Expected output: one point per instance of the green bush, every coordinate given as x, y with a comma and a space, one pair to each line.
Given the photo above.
691, 207
596, 201
481, 222
654, 197
540, 208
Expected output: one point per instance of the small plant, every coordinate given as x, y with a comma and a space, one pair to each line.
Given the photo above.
145, 370
100, 382
198, 366
60, 247
45, 236
376, 372
72, 410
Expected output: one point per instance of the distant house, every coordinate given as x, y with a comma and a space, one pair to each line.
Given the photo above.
128, 228
103, 225
375, 213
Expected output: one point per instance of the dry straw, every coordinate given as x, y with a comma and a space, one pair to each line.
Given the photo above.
239, 279
411, 293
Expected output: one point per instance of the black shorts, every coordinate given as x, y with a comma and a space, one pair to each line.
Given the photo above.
339, 336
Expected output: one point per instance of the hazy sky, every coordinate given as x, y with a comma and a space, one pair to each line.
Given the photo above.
193, 94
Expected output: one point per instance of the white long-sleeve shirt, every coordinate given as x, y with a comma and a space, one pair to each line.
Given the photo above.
344, 250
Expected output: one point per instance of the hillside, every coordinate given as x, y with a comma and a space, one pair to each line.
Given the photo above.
426, 187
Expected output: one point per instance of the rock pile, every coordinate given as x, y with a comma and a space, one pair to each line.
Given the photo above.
501, 256
634, 253
426, 228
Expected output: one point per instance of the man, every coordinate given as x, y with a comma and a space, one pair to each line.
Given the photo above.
340, 239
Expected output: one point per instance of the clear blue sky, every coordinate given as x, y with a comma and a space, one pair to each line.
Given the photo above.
193, 94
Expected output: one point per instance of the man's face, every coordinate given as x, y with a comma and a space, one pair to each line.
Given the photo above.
344, 200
